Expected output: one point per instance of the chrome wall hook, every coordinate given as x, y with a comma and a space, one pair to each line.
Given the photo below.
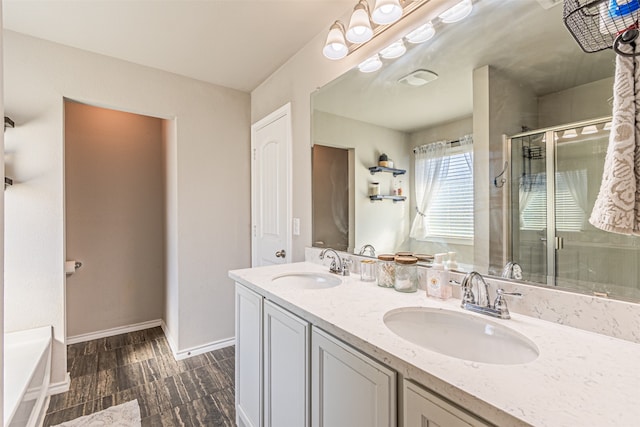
499, 181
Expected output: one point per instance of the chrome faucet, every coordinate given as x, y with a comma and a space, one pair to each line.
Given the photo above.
338, 265
499, 307
369, 248
512, 270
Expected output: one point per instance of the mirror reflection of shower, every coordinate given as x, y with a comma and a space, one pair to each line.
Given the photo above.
555, 179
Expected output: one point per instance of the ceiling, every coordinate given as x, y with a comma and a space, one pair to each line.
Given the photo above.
522, 40
232, 43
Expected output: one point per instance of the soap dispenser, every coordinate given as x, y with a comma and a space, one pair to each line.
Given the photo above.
438, 279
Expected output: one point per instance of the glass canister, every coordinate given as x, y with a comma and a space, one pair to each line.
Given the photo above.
406, 274
368, 270
386, 270
374, 189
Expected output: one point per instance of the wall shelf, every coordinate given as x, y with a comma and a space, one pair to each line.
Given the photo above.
383, 197
395, 172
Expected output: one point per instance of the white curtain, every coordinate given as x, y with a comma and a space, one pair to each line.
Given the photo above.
431, 164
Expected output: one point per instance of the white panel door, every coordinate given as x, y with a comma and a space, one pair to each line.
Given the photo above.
348, 389
271, 188
248, 357
286, 368
424, 409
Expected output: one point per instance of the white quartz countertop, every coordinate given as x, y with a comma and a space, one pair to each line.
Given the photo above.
580, 378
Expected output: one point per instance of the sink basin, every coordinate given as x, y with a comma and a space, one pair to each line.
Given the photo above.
308, 280
461, 335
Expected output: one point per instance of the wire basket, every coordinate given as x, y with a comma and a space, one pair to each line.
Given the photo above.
601, 24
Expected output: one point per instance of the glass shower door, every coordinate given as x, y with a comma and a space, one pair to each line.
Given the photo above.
556, 176
529, 206
588, 259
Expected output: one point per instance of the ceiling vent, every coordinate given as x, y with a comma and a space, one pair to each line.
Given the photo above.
418, 78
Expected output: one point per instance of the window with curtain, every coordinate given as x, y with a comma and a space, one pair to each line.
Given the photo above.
571, 202
444, 191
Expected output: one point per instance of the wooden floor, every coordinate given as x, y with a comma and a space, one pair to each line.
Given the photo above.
198, 391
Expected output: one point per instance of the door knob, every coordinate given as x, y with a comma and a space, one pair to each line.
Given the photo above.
281, 253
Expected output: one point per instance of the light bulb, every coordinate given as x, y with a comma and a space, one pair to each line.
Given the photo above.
386, 11
370, 65
360, 30
607, 126
571, 133
588, 130
335, 47
456, 13
394, 50
421, 34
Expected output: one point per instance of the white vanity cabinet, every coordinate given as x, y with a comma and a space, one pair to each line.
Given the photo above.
286, 368
349, 389
423, 408
272, 364
248, 358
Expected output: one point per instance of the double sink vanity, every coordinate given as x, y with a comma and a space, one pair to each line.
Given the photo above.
319, 349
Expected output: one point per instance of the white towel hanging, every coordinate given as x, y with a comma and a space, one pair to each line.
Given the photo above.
617, 207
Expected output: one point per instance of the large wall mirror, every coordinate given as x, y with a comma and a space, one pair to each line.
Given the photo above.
497, 128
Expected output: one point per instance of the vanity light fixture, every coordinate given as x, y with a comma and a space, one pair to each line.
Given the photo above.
366, 23
360, 30
457, 12
571, 133
588, 130
394, 50
421, 34
335, 46
386, 11
371, 64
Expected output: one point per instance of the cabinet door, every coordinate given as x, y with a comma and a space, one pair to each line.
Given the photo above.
248, 357
348, 389
424, 409
286, 367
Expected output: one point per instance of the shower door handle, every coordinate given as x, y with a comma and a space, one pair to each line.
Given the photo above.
559, 243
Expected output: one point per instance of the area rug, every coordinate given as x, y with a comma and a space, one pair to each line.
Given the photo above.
125, 415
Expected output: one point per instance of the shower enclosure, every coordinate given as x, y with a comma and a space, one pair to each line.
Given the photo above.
555, 179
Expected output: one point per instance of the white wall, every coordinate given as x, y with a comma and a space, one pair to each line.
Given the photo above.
208, 218
383, 224
585, 102
1, 228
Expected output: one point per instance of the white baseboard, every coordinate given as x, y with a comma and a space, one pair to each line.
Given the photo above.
177, 354
167, 333
114, 331
194, 351
205, 348
61, 387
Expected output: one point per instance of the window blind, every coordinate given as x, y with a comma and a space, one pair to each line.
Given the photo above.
451, 210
